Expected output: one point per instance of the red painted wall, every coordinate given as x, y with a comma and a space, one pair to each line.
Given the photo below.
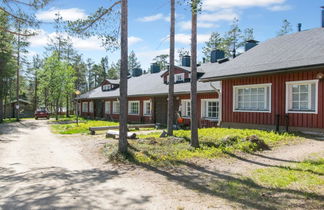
150, 119
176, 71
278, 101
202, 122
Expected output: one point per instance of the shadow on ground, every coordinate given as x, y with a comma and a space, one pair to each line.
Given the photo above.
242, 191
53, 187
17, 127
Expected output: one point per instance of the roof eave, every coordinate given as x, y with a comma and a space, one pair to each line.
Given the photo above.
282, 70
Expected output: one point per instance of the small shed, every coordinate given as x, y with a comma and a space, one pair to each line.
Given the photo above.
25, 107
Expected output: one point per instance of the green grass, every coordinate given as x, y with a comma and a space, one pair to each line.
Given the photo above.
83, 127
213, 143
307, 175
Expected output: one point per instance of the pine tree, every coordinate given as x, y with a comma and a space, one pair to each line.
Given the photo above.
133, 62
286, 28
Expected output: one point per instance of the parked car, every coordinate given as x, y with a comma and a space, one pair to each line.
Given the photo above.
42, 113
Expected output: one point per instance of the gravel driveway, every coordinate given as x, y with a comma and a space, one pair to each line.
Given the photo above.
41, 170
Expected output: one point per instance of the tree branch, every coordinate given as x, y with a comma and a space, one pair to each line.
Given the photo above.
100, 16
12, 15
16, 33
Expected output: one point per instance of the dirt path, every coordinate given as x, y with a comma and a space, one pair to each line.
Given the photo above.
40, 170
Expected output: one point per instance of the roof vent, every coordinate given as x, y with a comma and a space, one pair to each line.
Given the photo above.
250, 44
137, 72
216, 55
299, 27
155, 68
186, 61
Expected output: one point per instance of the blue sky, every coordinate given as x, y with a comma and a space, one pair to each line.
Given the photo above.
149, 23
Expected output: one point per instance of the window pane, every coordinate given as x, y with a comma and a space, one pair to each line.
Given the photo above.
304, 88
295, 105
304, 105
295, 97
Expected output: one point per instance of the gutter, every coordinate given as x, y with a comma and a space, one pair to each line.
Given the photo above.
260, 73
219, 92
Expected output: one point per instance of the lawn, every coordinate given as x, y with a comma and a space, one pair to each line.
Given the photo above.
214, 142
83, 127
307, 175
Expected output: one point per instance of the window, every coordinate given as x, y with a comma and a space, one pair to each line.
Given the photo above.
116, 107
84, 106
179, 77
107, 107
147, 108
106, 87
186, 108
210, 108
91, 106
252, 98
133, 107
302, 96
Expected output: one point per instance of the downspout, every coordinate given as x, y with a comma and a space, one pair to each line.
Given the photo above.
219, 92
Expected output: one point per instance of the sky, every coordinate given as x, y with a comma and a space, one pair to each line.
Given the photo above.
149, 23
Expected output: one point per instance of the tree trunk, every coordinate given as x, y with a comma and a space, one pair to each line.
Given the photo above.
56, 109
123, 79
67, 106
18, 83
171, 75
1, 109
36, 86
194, 117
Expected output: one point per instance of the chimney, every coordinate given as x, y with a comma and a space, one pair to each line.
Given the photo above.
155, 68
249, 44
137, 72
322, 16
186, 61
216, 55
299, 27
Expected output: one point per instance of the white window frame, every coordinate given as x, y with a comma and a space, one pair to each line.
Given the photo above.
145, 108
184, 110
85, 107
204, 109
91, 107
116, 104
130, 107
303, 82
182, 75
107, 105
267, 100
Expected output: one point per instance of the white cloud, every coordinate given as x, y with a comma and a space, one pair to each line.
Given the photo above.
186, 38
152, 18
43, 38
277, 8
212, 5
67, 14
146, 57
226, 15
186, 25
91, 43
133, 40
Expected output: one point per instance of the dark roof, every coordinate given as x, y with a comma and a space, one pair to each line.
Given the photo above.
148, 85
113, 81
284, 53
